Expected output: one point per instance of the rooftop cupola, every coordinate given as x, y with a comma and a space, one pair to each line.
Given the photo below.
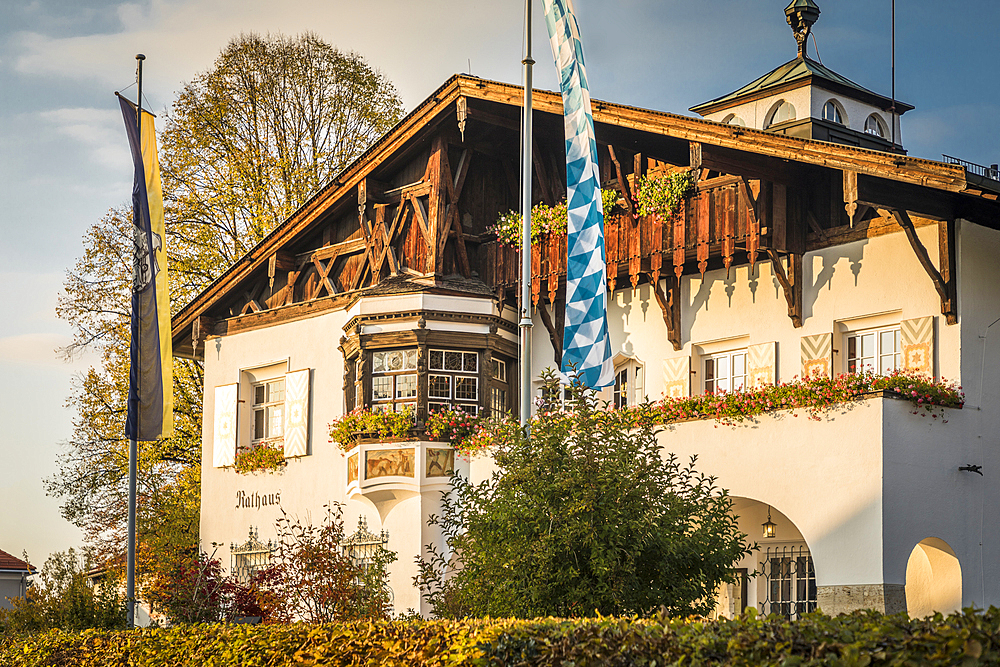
804, 98
801, 15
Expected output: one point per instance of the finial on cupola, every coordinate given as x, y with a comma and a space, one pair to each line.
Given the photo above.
801, 14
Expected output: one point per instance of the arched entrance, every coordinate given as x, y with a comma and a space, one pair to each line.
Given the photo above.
933, 579
778, 578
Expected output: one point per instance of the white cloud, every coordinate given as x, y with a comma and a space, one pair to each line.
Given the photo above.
99, 130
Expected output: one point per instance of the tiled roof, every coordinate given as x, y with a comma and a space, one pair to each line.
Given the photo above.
792, 71
8, 562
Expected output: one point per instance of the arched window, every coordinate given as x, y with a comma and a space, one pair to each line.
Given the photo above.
874, 125
783, 111
833, 113
733, 119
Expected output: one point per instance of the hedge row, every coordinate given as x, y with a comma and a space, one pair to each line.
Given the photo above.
861, 639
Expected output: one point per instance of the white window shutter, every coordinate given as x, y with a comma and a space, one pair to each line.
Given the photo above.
224, 437
677, 377
916, 341
761, 366
817, 356
297, 413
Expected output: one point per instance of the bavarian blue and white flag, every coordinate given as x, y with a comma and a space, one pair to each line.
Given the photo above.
586, 346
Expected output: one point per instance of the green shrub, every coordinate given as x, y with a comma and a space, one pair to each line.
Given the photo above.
862, 639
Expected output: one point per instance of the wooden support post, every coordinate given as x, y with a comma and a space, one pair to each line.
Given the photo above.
946, 259
695, 159
437, 203
623, 183
200, 329
947, 300
791, 283
554, 337
670, 305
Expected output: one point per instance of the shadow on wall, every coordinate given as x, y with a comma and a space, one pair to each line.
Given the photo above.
816, 280
933, 579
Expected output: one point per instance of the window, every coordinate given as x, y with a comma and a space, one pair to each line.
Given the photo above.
733, 119
874, 125
268, 411
500, 388
453, 382
394, 380
832, 112
875, 351
783, 111
726, 372
789, 582
628, 386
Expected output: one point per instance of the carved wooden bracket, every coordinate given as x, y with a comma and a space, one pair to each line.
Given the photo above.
670, 305
623, 183
944, 280
555, 335
791, 283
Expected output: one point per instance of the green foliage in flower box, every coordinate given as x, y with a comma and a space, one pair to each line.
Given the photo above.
545, 220
862, 638
662, 195
261, 458
361, 421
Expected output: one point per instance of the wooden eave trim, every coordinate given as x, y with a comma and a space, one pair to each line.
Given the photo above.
435, 315
917, 171
831, 87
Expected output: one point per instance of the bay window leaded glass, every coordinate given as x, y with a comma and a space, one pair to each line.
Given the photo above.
453, 381
394, 380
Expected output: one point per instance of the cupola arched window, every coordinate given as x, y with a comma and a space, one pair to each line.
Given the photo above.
874, 125
833, 113
783, 111
733, 119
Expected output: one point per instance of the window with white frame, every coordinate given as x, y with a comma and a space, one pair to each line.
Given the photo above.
268, 411
874, 351
453, 381
628, 386
394, 380
725, 372
782, 112
832, 113
500, 388
874, 125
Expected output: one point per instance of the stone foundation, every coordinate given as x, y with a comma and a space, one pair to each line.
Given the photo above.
886, 598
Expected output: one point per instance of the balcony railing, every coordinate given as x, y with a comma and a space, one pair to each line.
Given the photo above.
991, 172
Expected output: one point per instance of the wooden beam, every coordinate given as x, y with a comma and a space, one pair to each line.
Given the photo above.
946, 259
695, 159
670, 307
925, 261
791, 283
554, 338
623, 183
884, 193
201, 328
436, 202
327, 252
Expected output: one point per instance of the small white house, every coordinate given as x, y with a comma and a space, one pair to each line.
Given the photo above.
798, 252
15, 575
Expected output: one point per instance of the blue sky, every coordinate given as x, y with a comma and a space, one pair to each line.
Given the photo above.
64, 159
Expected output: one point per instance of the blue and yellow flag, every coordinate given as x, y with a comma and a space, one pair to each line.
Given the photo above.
586, 346
150, 391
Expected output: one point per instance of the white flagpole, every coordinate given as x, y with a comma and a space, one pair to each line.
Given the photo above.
526, 146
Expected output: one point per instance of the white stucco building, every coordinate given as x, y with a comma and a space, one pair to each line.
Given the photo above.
794, 254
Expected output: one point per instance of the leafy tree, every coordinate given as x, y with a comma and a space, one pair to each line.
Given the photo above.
244, 145
315, 578
65, 599
586, 516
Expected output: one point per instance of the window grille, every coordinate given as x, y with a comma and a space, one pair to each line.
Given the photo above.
363, 546
726, 372
394, 380
789, 582
268, 411
250, 557
876, 351
453, 382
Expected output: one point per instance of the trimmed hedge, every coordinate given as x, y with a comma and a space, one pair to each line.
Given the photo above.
861, 639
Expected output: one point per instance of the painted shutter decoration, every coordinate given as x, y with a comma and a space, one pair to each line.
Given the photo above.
297, 413
224, 436
817, 355
761, 367
677, 377
916, 340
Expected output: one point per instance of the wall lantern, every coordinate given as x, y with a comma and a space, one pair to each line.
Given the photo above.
768, 525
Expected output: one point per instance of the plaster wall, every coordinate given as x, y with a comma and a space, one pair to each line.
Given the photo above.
861, 285
855, 112
754, 113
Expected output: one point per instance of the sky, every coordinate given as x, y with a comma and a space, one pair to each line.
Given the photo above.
64, 158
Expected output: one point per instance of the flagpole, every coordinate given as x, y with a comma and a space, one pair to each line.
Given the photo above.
133, 444
526, 148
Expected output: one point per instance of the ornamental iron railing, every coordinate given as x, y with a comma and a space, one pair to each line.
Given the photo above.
250, 557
